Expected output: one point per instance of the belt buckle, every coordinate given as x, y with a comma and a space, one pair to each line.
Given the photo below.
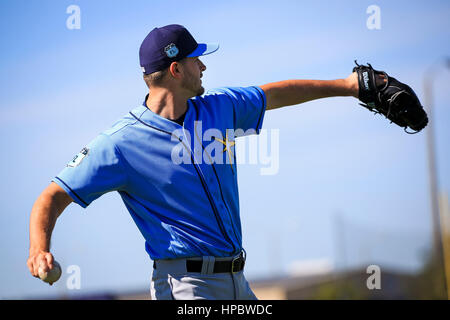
237, 262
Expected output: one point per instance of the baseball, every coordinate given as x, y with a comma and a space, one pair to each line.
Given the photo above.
52, 275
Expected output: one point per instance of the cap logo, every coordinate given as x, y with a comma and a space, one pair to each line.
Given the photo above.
171, 50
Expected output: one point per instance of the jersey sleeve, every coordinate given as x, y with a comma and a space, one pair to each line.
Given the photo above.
249, 106
95, 170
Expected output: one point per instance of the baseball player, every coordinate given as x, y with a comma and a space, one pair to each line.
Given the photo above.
169, 159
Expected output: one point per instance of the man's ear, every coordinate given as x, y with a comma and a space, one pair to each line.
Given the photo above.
175, 70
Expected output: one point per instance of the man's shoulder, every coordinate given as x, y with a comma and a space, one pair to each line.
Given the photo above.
227, 94
216, 95
119, 127
219, 91
125, 123
230, 91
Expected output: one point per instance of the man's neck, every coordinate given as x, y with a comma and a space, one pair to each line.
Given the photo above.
166, 104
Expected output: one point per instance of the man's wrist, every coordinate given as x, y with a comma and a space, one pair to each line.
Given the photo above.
38, 249
353, 85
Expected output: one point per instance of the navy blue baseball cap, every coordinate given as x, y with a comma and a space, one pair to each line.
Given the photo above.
168, 44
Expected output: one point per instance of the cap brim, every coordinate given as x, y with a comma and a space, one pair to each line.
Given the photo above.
204, 49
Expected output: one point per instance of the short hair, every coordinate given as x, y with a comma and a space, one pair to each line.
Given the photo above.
155, 78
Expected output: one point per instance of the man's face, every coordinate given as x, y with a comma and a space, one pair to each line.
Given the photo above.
193, 68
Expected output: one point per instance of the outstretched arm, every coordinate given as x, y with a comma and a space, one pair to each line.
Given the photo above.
291, 92
47, 208
378, 92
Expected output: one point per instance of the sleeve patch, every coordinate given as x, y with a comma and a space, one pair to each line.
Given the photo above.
78, 158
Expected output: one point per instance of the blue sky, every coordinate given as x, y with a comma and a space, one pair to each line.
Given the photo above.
61, 87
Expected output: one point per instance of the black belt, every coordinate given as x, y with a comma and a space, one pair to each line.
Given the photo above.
233, 266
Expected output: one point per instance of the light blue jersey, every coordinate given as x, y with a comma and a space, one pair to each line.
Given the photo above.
179, 183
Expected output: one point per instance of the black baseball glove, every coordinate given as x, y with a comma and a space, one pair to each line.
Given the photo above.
393, 99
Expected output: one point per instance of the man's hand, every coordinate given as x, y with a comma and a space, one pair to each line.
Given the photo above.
39, 259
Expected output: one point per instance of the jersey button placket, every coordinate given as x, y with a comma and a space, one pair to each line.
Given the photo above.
225, 215
213, 185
